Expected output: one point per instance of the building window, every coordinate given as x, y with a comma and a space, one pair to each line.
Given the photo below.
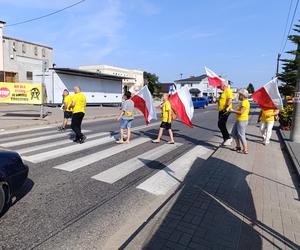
24, 48
29, 75
14, 47
36, 51
44, 55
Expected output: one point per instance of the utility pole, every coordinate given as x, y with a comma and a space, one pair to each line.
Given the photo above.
295, 132
277, 67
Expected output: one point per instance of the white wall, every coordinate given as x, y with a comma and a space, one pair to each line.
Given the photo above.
96, 90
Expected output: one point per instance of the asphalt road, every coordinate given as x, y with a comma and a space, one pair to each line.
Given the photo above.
77, 196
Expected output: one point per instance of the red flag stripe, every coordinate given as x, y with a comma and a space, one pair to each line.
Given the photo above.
263, 99
215, 81
178, 106
140, 104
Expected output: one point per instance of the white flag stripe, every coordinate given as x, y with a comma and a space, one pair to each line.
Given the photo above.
57, 143
272, 89
125, 168
98, 156
210, 73
66, 150
186, 99
171, 176
36, 139
145, 94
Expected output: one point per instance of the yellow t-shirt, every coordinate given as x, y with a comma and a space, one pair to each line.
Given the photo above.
245, 115
165, 111
68, 101
227, 94
80, 102
266, 112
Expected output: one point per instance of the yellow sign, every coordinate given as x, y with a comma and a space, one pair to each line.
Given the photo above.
23, 93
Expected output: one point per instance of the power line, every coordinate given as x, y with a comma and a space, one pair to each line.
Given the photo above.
286, 25
47, 15
291, 25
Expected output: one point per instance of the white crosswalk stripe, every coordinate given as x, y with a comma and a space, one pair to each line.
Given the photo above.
120, 171
36, 139
171, 176
57, 143
92, 158
41, 157
25, 130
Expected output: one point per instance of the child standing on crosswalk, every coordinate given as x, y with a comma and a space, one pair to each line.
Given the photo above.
126, 117
166, 120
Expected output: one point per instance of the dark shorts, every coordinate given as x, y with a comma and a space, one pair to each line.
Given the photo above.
68, 114
166, 125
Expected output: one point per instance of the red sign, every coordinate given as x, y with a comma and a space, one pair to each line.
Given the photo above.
4, 92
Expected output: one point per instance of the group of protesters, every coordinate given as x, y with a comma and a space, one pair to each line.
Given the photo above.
242, 110
74, 109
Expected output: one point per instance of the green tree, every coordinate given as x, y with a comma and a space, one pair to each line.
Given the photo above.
250, 88
152, 81
290, 66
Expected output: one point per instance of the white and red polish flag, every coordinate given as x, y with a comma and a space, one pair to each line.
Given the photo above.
181, 103
213, 78
268, 96
143, 101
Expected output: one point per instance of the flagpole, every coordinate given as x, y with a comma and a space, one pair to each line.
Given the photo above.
295, 131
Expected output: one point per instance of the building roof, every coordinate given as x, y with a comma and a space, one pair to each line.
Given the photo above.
193, 79
85, 73
23, 41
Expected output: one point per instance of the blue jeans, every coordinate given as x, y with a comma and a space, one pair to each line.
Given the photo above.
125, 123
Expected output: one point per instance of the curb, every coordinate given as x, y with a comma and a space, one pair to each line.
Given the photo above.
289, 150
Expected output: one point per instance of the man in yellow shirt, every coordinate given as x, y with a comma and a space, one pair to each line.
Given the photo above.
224, 107
166, 120
67, 109
242, 117
78, 105
267, 118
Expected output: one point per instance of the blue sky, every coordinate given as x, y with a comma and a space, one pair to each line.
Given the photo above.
236, 38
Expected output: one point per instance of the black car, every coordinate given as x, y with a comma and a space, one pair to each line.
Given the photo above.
13, 174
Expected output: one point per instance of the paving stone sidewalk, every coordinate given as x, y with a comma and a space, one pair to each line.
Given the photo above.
233, 201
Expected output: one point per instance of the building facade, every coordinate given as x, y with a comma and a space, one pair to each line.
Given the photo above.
21, 60
134, 79
198, 85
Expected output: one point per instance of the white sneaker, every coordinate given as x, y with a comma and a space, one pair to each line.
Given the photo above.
227, 142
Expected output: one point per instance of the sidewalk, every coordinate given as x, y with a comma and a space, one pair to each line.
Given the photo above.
20, 116
233, 201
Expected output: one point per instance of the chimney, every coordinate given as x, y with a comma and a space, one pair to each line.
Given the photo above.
1, 46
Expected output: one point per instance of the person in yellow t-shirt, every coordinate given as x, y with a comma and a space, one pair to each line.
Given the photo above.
67, 102
166, 120
267, 118
242, 117
224, 106
78, 105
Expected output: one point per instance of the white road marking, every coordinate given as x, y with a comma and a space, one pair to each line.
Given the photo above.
18, 137
66, 150
57, 143
125, 168
92, 158
36, 139
173, 174
24, 130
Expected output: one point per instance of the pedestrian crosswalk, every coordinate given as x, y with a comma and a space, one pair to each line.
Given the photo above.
56, 150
